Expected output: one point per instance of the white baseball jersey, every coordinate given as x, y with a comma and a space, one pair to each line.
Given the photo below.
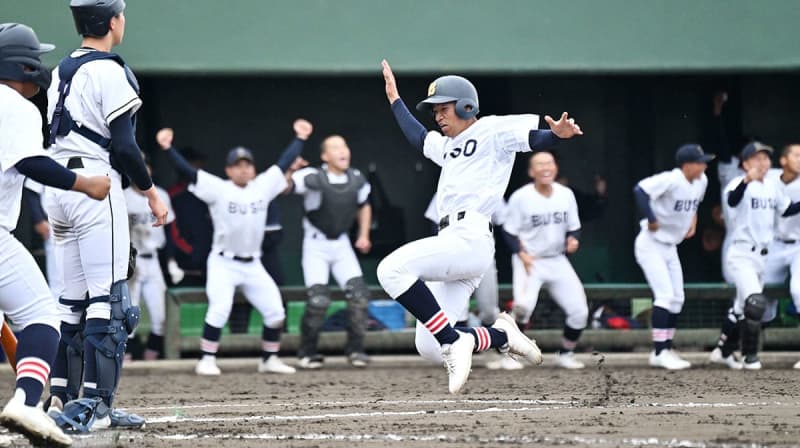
476, 164
753, 220
542, 222
144, 237
239, 213
20, 138
674, 201
100, 92
312, 199
787, 228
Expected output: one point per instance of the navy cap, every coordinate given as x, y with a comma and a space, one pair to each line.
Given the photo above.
239, 153
753, 148
692, 153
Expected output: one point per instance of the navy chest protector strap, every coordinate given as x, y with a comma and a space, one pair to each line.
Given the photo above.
62, 122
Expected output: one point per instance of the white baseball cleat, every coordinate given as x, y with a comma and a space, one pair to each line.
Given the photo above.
753, 364
518, 343
566, 360
458, 360
310, 362
502, 361
32, 422
667, 359
797, 365
273, 364
207, 366
730, 361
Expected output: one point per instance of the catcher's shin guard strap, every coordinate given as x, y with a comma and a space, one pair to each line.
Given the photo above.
357, 295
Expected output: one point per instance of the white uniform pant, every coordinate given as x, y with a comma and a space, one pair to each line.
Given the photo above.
486, 296
24, 296
92, 241
225, 275
662, 269
783, 259
557, 275
451, 263
747, 268
148, 284
322, 256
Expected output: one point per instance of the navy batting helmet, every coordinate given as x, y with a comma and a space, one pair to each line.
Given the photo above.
449, 89
93, 17
21, 49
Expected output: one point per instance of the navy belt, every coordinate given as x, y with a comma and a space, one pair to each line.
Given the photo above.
444, 222
74, 163
788, 241
147, 256
238, 258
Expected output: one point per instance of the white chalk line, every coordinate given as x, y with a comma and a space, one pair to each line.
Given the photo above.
636, 441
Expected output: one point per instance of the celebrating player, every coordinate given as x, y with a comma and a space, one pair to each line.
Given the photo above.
476, 156
669, 202
784, 250
24, 295
334, 195
238, 209
91, 105
541, 226
148, 282
754, 203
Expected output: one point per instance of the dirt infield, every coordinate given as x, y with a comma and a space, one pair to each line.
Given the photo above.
404, 403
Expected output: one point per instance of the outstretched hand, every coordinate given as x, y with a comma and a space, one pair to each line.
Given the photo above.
565, 127
164, 138
391, 84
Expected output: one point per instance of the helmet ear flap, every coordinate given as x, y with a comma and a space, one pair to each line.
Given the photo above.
466, 108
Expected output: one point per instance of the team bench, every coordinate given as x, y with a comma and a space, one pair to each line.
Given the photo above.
548, 339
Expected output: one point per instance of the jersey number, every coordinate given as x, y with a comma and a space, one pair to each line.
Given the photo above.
469, 149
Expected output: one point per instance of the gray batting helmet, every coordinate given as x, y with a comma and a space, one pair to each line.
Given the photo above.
452, 89
21, 49
93, 17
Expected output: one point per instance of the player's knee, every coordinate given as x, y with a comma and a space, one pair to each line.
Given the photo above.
218, 313
755, 306
393, 277
357, 292
578, 318
676, 305
319, 298
428, 349
274, 323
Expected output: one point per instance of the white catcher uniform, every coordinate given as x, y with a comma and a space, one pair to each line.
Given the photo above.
52, 266
784, 251
541, 223
323, 256
24, 296
752, 227
148, 281
238, 215
476, 167
91, 237
674, 202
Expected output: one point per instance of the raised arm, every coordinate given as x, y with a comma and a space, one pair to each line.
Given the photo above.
302, 130
413, 130
164, 138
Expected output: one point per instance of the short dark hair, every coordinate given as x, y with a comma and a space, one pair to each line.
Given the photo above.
788, 148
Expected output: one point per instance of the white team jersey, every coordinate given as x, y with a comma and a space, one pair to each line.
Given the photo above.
674, 201
542, 222
239, 214
753, 220
476, 164
20, 138
498, 217
789, 227
312, 199
100, 93
144, 237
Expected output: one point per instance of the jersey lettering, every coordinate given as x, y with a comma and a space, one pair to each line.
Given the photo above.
763, 203
244, 208
686, 205
549, 218
469, 149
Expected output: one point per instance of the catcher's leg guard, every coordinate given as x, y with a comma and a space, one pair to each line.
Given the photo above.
106, 343
357, 295
754, 307
319, 298
66, 375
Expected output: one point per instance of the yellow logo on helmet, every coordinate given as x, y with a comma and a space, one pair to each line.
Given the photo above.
432, 88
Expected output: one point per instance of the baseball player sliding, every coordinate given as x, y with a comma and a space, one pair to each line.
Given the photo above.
476, 156
334, 195
238, 208
669, 202
542, 225
24, 295
754, 204
784, 251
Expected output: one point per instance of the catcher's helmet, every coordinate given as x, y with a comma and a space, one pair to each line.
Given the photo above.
449, 89
93, 17
21, 49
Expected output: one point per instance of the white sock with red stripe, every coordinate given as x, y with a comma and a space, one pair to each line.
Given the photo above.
36, 350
